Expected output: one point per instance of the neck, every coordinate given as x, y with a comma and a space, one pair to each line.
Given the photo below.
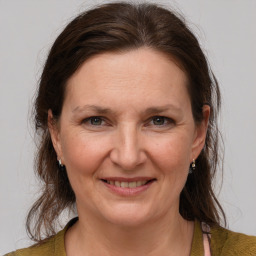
169, 235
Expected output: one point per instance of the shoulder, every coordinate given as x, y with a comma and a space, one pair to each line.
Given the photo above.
226, 242
46, 248
53, 246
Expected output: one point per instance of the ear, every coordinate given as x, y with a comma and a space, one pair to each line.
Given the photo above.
200, 133
55, 134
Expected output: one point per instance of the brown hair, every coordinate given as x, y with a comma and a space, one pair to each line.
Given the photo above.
122, 27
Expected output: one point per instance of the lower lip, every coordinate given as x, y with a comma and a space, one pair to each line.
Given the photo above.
128, 191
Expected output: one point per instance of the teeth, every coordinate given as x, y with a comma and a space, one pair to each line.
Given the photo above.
132, 184
123, 184
117, 184
138, 183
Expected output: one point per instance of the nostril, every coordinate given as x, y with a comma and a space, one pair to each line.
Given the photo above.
127, 157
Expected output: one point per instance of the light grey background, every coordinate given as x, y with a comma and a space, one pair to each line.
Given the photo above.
226, 29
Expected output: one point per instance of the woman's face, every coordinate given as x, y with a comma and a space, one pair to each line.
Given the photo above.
127, 136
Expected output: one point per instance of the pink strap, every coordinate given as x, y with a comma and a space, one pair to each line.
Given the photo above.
206, 239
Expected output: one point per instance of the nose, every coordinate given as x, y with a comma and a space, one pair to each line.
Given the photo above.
127, 151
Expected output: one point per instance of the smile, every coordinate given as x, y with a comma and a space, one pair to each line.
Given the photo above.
128, 187
123, 184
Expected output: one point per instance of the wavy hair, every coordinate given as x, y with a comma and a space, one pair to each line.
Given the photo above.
118, 27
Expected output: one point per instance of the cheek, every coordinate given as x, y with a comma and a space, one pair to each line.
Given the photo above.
83, 154
172, 153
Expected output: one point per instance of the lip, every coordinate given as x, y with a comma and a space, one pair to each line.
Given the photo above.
128, 191
128, 179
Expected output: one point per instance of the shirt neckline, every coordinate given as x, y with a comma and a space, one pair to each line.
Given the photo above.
196, 247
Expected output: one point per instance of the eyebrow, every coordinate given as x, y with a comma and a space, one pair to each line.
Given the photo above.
95, 108
161, 109
102, 110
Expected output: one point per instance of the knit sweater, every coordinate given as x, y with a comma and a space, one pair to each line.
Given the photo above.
223, 243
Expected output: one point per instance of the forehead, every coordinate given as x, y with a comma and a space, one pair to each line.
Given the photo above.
141, 74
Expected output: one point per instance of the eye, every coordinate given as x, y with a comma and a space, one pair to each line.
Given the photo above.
161, 121
94, 121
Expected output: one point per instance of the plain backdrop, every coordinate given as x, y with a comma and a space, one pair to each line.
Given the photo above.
226, 30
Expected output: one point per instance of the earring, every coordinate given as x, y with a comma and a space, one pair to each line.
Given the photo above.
60, 165
192, 166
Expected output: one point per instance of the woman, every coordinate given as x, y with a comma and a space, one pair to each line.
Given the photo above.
127, 105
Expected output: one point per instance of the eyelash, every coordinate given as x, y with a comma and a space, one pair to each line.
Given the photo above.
167, 121
90, 119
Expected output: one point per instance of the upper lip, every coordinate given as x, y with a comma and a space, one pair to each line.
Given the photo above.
123, 179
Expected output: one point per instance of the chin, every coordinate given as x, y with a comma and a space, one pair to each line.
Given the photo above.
127, 216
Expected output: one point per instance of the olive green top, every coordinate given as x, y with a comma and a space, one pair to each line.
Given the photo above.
223, 243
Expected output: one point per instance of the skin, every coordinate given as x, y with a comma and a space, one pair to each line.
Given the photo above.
132, 89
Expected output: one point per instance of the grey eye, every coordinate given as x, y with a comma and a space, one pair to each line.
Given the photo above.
95, 121
159, 120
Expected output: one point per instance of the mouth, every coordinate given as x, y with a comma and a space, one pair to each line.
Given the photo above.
127, 187
128, 184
